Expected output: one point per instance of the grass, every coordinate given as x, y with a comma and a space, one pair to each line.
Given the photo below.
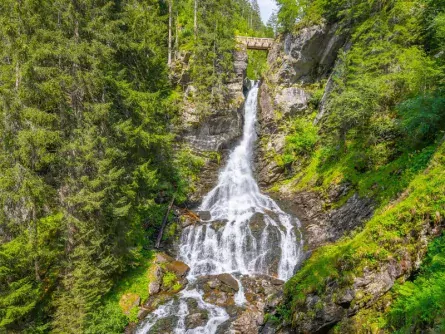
393, 233
118, 308
382, 183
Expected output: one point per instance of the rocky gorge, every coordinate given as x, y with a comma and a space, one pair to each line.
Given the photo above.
297, 63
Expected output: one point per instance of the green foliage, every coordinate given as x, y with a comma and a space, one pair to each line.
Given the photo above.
301, 140
382, 133
86, 154
257, 64
423, 118
397, 226
421, 304
169, 279
109, 317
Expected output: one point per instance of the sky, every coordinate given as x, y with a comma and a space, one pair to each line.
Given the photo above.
266, 6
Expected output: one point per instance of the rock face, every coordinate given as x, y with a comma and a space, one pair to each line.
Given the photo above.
321, 313
292, 100
261, 291
306, 56
220, 126
162, 288
295, 62
325, 226
217, 129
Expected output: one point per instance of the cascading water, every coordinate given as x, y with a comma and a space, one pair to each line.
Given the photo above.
247, 234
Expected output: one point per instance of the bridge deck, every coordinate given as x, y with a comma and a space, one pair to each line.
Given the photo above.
255, 43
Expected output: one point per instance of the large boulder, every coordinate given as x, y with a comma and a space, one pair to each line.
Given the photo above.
292, 100
179, 268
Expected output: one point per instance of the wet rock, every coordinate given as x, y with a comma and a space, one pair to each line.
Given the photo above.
257, 225
258, 290
204, 215
153, 302
165, 325
219, 224
229, 281
188, 218
219, 290
196, 320
179, 268
247, 85
197, 317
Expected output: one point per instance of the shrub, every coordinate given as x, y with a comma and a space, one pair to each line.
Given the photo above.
301, 141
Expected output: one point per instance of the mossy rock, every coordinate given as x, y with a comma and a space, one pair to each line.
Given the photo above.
128, 301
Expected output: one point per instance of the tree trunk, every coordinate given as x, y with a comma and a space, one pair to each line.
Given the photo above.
36, 245
176, 36
196, 19
164, 223
170, 20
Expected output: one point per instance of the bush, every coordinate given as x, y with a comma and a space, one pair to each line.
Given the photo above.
301, 141
421, 303
422, 118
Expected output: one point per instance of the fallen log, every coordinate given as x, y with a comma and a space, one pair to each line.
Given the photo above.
164, 223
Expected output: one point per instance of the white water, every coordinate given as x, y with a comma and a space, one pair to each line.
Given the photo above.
235, 203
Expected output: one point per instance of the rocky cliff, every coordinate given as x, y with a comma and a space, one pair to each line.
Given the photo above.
212, 132
296, 62
299, 64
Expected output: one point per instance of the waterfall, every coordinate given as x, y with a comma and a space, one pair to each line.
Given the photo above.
247, 234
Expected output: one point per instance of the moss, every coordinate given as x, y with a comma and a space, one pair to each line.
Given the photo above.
133, 316
169, 280
119, 304
128, 301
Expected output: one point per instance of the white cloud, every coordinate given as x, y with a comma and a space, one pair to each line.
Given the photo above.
267, 7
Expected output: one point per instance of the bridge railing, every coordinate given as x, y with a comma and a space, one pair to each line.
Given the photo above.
256, 43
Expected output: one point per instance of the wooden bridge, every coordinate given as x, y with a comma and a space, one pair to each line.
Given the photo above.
255, 43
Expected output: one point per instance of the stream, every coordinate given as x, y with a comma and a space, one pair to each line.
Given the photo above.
247, 235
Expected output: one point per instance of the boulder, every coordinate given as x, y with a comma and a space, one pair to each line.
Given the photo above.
179, 268
196, 320
292, 100
163, 258
204, 215
129, 301
229, 281
155, 279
